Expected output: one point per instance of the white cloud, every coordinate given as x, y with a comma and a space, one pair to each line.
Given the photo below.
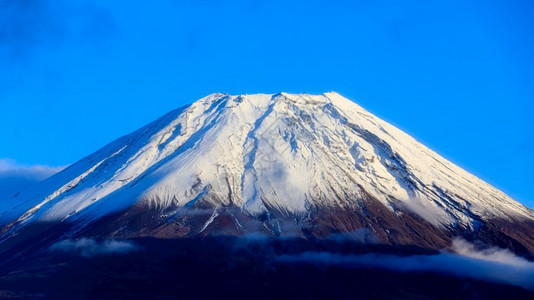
493, 264
89, 247
15, 177
425, 209
494, 254
10, 167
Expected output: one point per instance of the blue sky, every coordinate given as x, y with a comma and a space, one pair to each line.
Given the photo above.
457, 75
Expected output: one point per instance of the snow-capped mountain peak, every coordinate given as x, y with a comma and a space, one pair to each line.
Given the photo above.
281, 156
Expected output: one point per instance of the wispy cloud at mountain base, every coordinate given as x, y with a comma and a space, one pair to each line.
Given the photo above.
15, 177
493, 264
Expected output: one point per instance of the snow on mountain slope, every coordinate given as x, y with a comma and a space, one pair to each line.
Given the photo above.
264, 154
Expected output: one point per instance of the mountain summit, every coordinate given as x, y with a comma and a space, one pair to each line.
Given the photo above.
277, 165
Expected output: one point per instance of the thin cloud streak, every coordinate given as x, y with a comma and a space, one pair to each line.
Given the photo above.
15, 177
493, 264
89, 247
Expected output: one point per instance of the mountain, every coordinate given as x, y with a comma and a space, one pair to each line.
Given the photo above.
282, 165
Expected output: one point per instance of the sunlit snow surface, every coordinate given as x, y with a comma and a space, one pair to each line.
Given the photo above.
259, 152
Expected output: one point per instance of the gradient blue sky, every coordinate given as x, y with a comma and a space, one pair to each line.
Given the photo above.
457, 75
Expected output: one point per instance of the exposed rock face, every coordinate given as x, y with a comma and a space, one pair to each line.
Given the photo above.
279, 165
